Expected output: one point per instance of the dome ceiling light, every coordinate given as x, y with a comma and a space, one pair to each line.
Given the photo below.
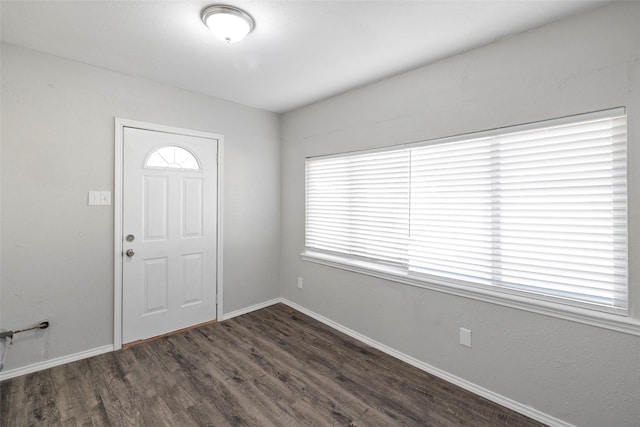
228, 23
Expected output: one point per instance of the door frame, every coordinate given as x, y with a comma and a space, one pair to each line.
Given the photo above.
118, 206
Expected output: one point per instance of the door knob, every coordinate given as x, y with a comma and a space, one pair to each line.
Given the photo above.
130, 253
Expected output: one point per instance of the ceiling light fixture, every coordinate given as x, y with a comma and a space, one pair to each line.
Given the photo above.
228, 23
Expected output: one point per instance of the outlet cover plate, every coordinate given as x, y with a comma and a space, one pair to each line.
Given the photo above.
465, 337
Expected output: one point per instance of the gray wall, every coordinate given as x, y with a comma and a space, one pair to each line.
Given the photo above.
58, 143
581, 374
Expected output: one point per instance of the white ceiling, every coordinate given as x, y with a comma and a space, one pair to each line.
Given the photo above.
301, 51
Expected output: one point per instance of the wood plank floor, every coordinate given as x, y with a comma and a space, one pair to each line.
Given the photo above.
272, 367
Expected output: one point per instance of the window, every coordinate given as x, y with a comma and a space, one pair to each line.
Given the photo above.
536, 210
172, 157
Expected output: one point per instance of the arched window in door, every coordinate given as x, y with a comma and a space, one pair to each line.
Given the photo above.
172, 157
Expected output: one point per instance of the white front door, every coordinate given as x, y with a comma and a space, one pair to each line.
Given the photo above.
169, 232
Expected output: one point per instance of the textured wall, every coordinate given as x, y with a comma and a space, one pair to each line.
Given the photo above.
577, 373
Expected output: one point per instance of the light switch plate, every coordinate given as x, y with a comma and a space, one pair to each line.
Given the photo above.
105, 197
94, 198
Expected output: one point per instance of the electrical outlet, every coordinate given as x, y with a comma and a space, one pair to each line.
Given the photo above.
299, 282
465, 337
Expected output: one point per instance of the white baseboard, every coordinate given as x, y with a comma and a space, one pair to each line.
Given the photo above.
39, 366
474, 388
481, 391
12, 373
251, 308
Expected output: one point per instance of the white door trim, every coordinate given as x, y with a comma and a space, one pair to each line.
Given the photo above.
120, 124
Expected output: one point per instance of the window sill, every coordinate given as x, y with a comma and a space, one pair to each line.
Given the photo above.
585, 316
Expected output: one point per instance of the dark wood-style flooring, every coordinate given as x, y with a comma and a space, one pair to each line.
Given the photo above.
272, 367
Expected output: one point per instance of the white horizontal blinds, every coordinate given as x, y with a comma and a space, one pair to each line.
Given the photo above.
358, 205
539, 210
451, 217
562, 211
